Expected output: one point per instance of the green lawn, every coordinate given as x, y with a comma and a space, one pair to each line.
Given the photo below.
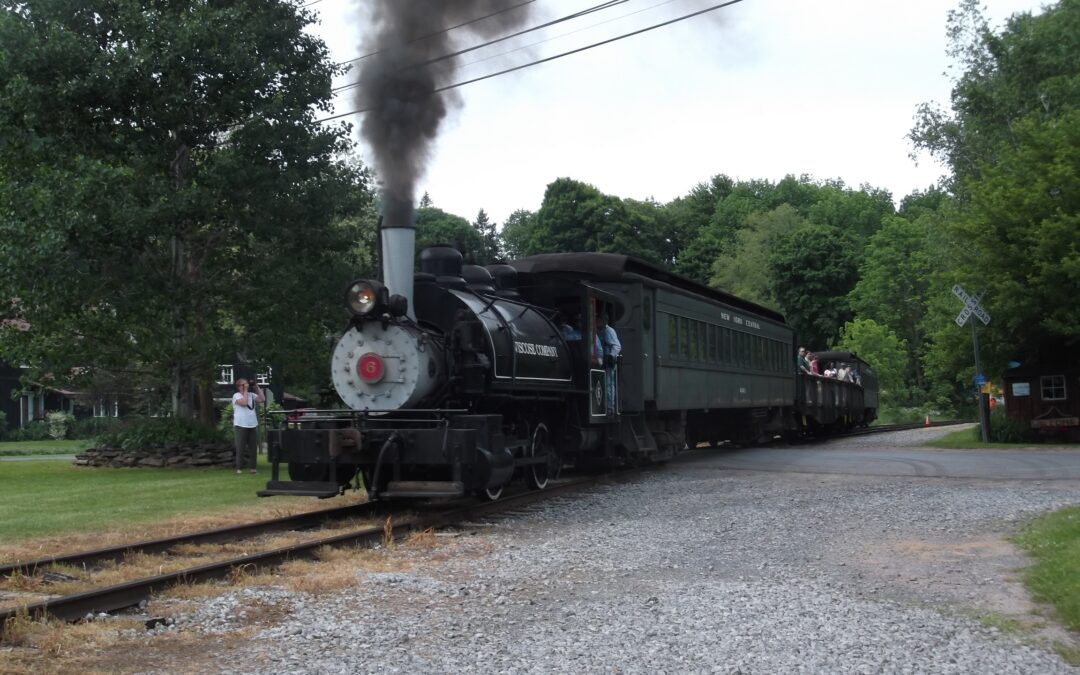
17, 448
1054, 542
41, 498
965, 440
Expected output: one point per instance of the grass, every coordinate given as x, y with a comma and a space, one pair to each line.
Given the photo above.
1053, 541
39, 499
965, 440
50, 447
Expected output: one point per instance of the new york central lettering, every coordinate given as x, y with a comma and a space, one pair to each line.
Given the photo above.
532, 349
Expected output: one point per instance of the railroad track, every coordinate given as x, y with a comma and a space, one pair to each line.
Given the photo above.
120, 596
883, 428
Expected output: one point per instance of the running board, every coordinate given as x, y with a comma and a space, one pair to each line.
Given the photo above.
422, 488
300, 488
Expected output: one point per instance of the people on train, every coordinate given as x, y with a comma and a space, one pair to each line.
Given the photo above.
804, 363
612, 350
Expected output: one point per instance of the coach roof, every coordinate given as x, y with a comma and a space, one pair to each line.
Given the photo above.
616, 267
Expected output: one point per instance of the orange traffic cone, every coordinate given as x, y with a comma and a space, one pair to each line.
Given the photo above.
926, 422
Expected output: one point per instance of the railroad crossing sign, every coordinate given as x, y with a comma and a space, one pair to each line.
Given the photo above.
971, 306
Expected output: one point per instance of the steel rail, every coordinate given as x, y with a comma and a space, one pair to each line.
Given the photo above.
231, 533
121, 596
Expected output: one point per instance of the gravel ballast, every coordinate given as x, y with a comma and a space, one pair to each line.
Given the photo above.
690, 568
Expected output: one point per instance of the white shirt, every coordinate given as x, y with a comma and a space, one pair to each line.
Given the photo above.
244, 416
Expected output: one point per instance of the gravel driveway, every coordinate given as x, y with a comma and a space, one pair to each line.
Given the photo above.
692, 568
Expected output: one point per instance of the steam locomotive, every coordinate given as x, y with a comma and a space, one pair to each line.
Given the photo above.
460, 379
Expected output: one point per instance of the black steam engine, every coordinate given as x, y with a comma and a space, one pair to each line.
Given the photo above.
460, 379
452, 402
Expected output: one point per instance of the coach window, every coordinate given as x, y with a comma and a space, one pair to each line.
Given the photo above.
1053, 387
712, 343
703, 343
673, 336
684, 338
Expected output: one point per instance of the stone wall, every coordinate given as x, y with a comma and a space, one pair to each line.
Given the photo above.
171, 455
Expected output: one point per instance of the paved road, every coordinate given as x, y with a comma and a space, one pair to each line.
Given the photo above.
891, 455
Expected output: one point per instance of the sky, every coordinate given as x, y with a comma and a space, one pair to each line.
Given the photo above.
758, 90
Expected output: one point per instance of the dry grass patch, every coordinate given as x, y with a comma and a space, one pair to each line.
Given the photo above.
425, 539
45, 547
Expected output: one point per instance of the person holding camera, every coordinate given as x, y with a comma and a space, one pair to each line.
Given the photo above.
612, 348
246, 423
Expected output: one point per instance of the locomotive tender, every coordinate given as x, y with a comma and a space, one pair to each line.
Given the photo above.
460, 379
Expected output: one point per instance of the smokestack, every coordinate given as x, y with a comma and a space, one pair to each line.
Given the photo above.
397, 86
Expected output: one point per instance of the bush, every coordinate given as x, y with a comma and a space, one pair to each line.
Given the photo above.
3, 425
145, 433
1004, 429
34, 431
58, 424
91, 427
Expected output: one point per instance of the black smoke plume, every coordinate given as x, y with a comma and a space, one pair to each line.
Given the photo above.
404, 112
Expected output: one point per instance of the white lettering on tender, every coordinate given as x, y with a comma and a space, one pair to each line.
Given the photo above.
533, 349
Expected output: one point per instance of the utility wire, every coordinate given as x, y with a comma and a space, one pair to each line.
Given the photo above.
552, 58
354, 85
438, 32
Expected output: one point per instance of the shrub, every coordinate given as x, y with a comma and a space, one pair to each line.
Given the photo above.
3, 425
58, 424
37, 430
91, 427
144, 433
1004, 429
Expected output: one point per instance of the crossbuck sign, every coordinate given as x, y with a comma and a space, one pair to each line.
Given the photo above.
971, 306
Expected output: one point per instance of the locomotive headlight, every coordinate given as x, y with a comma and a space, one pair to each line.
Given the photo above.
364, 297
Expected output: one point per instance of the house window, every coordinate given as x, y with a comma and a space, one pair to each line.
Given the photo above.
1053, 387
225, 374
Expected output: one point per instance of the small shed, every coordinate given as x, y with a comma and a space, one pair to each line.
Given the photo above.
1046, 397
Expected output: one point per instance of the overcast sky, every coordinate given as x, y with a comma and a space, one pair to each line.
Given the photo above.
760, 89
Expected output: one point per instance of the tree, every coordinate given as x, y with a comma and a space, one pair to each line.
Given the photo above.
425, 201
883, 350
165, 186
1022, 222
435, 227
488, 236
1011, 140
812, 271
517, 232
1032, 67
575, 216
744, 271
893, 281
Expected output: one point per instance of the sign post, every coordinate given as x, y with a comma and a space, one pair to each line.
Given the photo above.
972, 306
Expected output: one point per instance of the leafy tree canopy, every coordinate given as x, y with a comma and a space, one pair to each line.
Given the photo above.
435, 227
812, 271
893, 282
884, 351
575, 216
745, 271
516, 231
1032, 67
166, 194
1021, 235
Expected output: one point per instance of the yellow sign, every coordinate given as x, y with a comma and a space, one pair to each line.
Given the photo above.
986, 389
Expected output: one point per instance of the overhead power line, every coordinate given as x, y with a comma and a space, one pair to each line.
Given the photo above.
552, 58
354, 85
441, 31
